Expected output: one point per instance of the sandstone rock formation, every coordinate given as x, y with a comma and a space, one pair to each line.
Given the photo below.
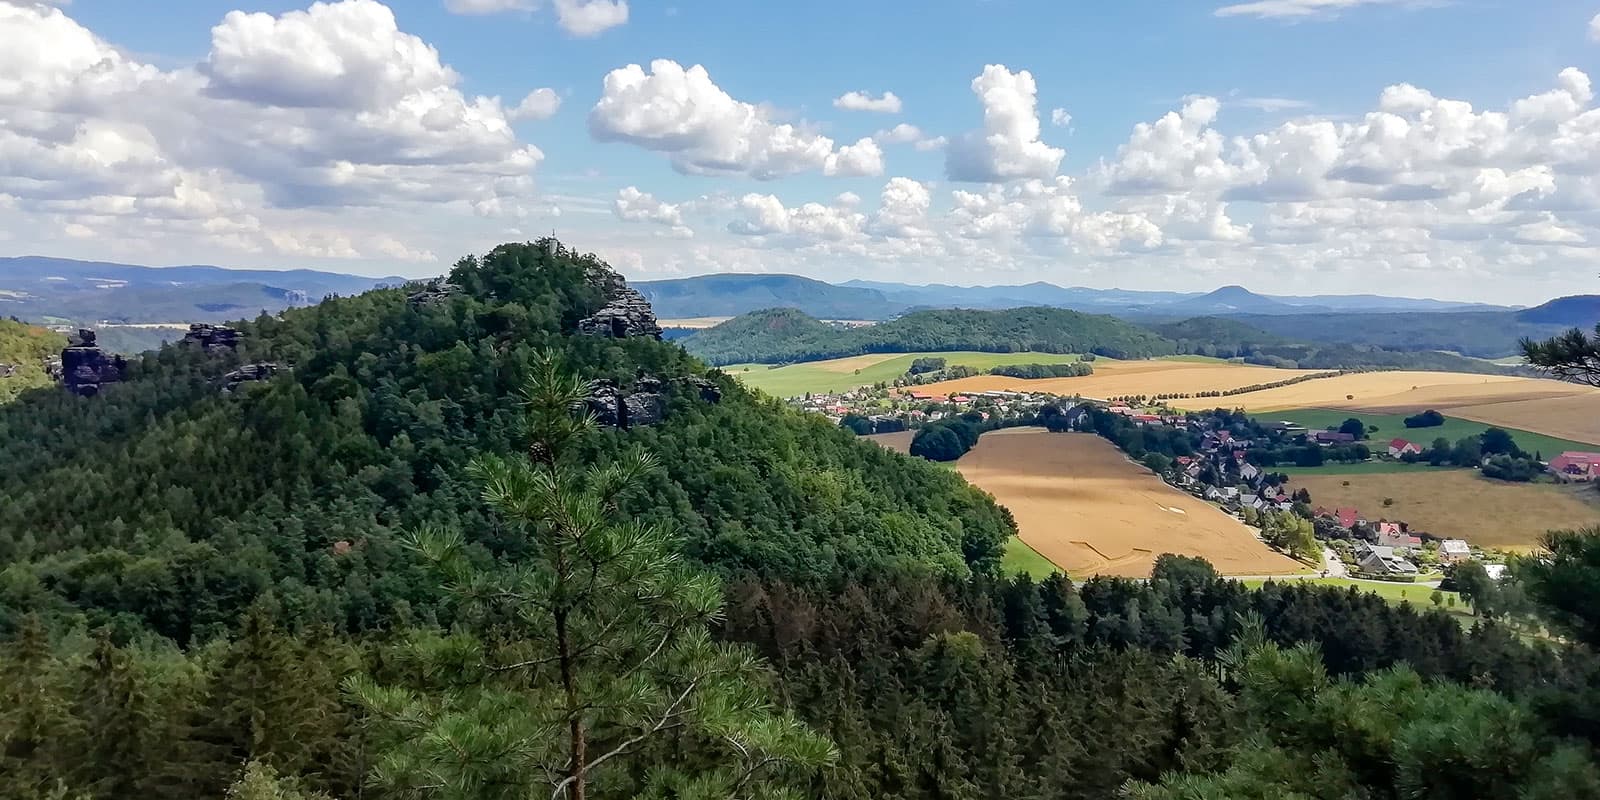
85, 367
626, 313
709, 392
249, 373
212, 338
435, 293
646, 404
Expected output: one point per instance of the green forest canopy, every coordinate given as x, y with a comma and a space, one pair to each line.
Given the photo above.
23, 350
785, 335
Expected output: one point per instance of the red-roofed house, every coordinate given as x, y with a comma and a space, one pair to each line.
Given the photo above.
1576, 466
1348, 517
961, 399
1399, 447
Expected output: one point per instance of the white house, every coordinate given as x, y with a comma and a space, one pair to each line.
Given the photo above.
1454, 551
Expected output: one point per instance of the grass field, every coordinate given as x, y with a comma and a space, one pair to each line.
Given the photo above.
1392, 426
1397, 593
1020, 559
1460, 504
842, 374
1086, 508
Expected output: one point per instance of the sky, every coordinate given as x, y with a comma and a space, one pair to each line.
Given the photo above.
1442, 148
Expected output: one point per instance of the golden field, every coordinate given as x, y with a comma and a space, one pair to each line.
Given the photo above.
900, 441
1391, 392
1083, 505
1575, 416
1122, 378
1460, 504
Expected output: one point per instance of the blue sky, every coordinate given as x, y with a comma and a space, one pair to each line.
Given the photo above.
1288, 145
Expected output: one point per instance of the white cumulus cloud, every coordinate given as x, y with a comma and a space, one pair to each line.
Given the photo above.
591, 17
864, 158
1008, 146
539, 104
887, 103
705, 131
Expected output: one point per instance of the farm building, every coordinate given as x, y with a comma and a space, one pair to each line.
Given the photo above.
1401, 447
1452, 551
1379, 560
1576, 466
1334, 437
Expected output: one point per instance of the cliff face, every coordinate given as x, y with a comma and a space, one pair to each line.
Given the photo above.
626, 312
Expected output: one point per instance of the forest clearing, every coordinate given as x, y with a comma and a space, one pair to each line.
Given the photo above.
1459, 504
1080, 503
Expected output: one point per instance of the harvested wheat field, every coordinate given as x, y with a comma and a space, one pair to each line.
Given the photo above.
900, 441
1123, 378
1391, 392
1084, 506
1575, 417
1459, 504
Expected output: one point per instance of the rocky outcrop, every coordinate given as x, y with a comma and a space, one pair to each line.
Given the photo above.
709, 392
646, 403
626, 313
7, 370
85, 368
52, 367
249, 373
212, 338
436, 293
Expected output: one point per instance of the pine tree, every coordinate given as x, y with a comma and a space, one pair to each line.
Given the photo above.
113, 714
588, 667
33, 713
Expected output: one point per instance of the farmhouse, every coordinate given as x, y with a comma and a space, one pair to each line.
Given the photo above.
1379, 560
1576, 466
1347, 517
1334, 437
1453, 551
1400, 447
1389, 535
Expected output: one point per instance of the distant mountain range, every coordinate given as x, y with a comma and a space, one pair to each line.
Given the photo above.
63, 290
734, 294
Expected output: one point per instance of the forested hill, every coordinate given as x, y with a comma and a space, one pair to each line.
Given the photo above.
164, 505
783, 335
23, 350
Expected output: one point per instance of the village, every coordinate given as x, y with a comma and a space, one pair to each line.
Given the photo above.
1226, 458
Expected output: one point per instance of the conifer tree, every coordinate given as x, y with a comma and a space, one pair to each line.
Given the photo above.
33, 713
586, 668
